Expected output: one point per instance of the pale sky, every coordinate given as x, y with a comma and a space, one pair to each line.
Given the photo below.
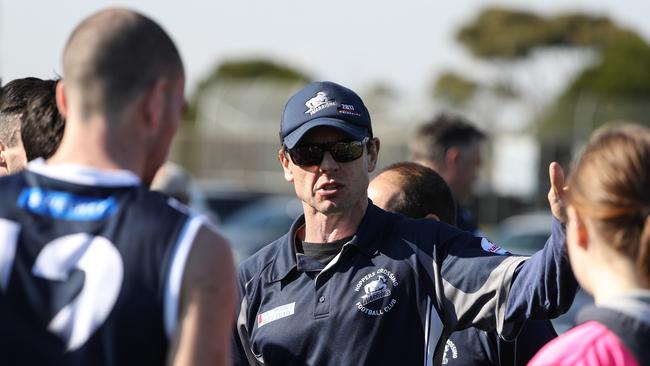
356, 43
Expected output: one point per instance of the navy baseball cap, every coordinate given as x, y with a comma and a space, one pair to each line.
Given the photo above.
324, 103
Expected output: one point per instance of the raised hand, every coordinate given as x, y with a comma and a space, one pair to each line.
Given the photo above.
557, 193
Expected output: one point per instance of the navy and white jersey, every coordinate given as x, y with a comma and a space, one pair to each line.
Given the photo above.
90, 267
392, 295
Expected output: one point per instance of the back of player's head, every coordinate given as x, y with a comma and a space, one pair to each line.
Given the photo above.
609, 184
424, 192
114, 55
434, 138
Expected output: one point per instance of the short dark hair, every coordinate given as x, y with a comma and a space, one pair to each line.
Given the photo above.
42, 124
433, 139
29, 106
12, 106
425, 192
8, 125
115, 54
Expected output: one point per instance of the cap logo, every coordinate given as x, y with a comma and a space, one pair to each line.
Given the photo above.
318, 103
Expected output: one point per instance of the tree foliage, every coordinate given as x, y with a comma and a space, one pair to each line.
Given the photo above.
506, 33
454, 88
250, 69
245, 70
616, 86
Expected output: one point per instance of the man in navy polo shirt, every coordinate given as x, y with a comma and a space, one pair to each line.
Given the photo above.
351, 284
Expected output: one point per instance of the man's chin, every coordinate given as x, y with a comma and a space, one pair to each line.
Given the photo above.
329, 207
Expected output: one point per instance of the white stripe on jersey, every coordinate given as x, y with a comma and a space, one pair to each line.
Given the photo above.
85, 175
432, 333
9, 231
175, 272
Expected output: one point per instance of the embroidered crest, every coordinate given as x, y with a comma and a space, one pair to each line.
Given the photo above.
374, 287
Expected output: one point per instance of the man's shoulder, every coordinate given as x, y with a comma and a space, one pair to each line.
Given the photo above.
422, 230
13, 180
11, 187
263, 258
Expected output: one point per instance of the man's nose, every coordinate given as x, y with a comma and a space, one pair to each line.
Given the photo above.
328, 163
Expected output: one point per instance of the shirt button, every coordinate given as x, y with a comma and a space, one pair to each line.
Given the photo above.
322, 299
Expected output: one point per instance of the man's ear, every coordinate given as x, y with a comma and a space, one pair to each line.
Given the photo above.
452, 157
61, 99
3, 158
155, 103
284, 161
4, 169
373, 154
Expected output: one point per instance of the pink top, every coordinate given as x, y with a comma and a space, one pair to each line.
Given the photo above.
589, 344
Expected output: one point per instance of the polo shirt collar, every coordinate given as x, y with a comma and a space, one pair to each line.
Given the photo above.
285, 256
373, 226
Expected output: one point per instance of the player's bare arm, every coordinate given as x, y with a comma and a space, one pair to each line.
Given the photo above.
207, 303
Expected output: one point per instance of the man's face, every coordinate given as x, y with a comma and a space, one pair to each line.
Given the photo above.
465, 170
13, 158
173, 112
385, 190
331, 187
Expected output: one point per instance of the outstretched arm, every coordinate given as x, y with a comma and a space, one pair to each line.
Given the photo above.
544, 285
207, 301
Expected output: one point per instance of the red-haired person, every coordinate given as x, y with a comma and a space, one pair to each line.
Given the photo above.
608, 238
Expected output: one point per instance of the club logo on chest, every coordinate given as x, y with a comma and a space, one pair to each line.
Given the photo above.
375, 290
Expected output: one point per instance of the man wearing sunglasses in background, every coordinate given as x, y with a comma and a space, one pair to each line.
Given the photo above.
351, 284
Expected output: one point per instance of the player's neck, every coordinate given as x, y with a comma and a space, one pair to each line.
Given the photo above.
90, 144
325, 228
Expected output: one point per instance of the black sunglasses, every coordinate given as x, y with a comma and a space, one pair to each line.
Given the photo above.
341, 151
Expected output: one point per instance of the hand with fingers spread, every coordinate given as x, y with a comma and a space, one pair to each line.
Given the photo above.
557, 192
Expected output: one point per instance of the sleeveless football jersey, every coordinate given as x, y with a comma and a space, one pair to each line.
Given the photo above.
90, 267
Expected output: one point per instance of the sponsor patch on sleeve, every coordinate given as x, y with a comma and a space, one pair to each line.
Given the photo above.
274, 314
488, 246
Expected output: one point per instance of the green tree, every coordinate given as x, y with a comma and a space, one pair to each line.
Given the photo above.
454, 88
243, 70
616, 86
512, 34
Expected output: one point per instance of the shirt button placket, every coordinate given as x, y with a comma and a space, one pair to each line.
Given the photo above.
322, 305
